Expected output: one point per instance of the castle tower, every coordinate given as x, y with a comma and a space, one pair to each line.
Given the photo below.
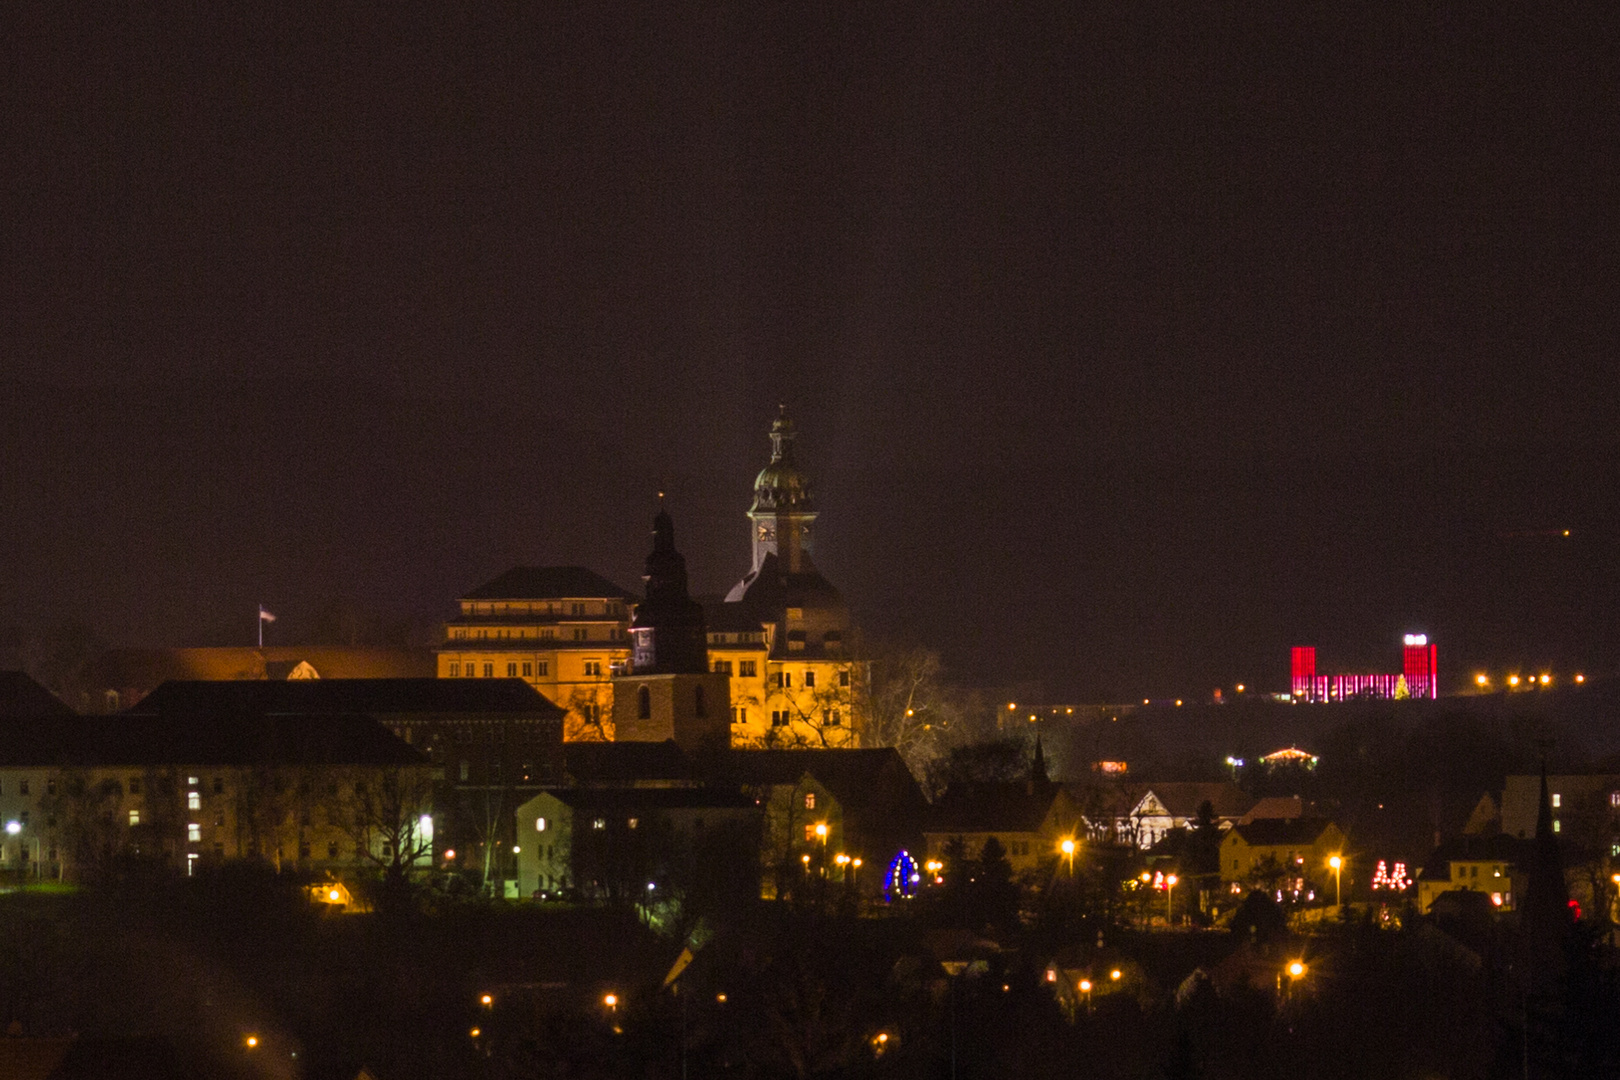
668, 691
784, 509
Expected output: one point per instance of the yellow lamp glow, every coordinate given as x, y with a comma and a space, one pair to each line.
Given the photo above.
1296, 969
1085, 986
1114, 974
1067, 847
252, 1041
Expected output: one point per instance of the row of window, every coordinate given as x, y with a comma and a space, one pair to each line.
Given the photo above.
548, 607
527, 669
783, 680
784, 717
746, 669
544, 633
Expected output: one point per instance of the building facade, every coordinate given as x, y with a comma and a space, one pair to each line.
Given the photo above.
561, 629
782, 637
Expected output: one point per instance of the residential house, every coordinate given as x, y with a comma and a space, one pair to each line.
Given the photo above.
629, 844
1030, 818
1291, 852
1166, 806
1474, 863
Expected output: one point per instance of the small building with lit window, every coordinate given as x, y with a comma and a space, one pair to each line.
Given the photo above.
1480, 864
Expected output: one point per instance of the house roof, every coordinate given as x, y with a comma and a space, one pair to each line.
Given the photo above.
1014, 806
382, 697
732, 619
856, 778
589, 800
1473, 848
549, 583
1274, 807
599, 763
142, 669
1272, 832
1183, 799
197, 739
21, 696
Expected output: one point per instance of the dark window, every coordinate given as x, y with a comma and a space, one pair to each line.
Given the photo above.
489, 671
134, 785
746, 669
331, 851
22, 787
643, 703
830, 717
542, 666
511, 670
697, 701
219, 851
843, 678
779, 718
303, 851
809, 680
219, 785
528, 669
50, 788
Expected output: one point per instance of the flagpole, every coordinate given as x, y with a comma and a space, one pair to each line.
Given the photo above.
261, 626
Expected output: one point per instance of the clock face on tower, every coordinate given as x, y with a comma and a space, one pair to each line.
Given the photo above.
767, 533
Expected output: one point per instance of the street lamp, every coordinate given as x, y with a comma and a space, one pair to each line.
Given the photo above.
1067, 848
1169, 900
1336, 863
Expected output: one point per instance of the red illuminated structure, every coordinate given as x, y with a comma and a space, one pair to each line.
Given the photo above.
1419, 673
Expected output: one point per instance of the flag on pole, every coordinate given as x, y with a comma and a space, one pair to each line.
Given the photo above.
265, 616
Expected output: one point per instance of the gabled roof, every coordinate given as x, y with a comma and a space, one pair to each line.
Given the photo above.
21, 696
1183, 799
1012, 806
1496, 848
143, 669
379, 697
591, 800
1272, 832
856, 778
625, 763
732, 619
1275, 806
549, 583
195, 739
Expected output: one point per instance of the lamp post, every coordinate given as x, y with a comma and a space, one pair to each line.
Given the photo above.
1336, 863
1067, 848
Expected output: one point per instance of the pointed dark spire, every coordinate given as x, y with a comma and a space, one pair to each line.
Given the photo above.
1037, 768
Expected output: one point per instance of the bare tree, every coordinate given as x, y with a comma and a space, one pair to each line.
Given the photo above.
382, 812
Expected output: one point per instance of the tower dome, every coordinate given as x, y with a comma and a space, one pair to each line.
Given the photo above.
781, 484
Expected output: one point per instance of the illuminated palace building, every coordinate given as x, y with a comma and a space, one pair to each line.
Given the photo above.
779, 637
1418, 677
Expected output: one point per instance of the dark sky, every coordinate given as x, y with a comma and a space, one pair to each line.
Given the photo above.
1131, 342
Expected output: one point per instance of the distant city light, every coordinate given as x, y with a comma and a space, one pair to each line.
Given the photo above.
611, 1000
1482, 679
1513, 680
1545, 679
1240, 688
475, 1032
251, 1041
486, 1000
1114, 974
1085, 986
1579, 677
1296, 969
1415, 639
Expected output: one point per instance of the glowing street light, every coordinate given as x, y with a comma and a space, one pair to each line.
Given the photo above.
1067, 847
1336, 862
1579, 677
821, 832
1169, 899
1296, 969
1482, 679
611, 1001
1545, 679
1513, 680
1115, 974
486, 1001
1085, 986
251, 1041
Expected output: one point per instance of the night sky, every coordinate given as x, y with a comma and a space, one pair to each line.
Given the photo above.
1130, 343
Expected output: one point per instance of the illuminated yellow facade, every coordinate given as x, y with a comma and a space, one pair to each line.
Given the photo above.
561, 629
781, 634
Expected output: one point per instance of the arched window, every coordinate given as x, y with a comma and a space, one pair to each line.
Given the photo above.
697, 701
644, 703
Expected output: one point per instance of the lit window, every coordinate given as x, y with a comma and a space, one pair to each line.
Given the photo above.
599, 823
193, 800
1557, 800
1557, 825
194, 832
134, 817
1614, 798
809, 800
540, 824
191, 781
633, 822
